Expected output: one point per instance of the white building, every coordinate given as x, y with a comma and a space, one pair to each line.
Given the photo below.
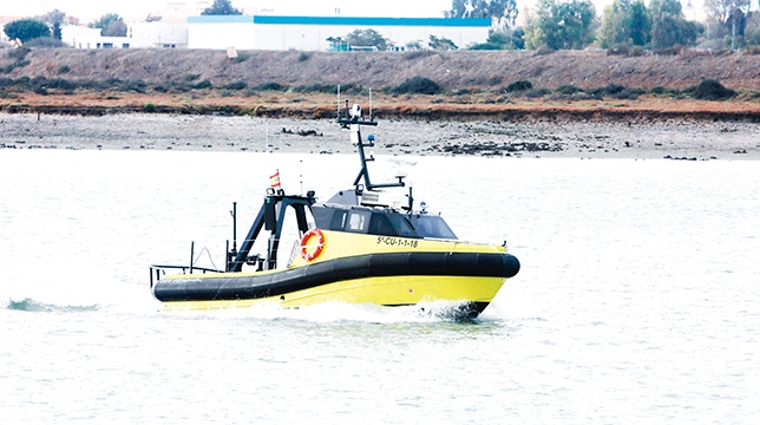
262, 32
139, 35
159, 34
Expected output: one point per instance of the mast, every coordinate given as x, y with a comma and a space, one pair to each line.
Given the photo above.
354, 123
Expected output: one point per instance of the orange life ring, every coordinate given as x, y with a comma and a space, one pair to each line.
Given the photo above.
310, 251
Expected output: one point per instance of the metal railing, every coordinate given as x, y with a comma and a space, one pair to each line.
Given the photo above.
157, 270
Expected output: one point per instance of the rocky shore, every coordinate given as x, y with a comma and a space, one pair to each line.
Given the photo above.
676, 139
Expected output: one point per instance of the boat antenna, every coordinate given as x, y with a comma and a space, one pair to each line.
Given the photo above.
234, 227
371, 114
353, 123
338, 101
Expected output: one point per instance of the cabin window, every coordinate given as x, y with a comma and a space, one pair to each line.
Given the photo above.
358, 221
381, 226
401, 225
338, 220
432, 226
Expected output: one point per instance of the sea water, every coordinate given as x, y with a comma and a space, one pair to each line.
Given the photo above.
637, 301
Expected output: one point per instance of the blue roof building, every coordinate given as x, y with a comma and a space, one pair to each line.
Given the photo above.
311, 33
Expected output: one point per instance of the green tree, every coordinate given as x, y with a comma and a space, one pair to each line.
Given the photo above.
502, 40
729, 14
414, 45
221, 7
639, 24
504, 11
561, 25
669, 26
26, 29
53, 17
368, 37
441, 43
111, 25
624, 22
613, 30
57, 31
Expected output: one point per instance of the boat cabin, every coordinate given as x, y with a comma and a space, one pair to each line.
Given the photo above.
380, 221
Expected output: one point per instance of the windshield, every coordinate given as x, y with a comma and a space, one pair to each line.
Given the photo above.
432, 226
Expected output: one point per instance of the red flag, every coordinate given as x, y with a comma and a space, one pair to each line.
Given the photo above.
274, 180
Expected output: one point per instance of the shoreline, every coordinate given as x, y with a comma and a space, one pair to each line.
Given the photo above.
670, 139
479, 106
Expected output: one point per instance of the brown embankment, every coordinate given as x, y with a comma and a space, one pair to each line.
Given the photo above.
480, 75
452, 70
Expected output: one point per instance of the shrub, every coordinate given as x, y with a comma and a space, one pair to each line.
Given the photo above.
638, 51
663, 91
620, 49
303, 56
24, 82
628, 93
63, 69
61, 84
137, 86
417, 85
330, 88
613, 89
414, 54
519, 85
485, 46
712, 90
45, 42
149, 107
544, 50
567, 89
317, 88
537, 93
754, 38
236, 85
16, 64
19, 53
668, 51
270, 86
205, 84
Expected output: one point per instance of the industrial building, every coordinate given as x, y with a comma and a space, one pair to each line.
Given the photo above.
307, 33
139, 35
266, 32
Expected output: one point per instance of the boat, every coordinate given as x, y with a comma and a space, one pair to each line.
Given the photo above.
358, 247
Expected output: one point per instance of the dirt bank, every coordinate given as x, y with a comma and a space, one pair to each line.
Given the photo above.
453, 70
494, 138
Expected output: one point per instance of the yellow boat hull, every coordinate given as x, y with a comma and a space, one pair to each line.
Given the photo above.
354, 269
387, 291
